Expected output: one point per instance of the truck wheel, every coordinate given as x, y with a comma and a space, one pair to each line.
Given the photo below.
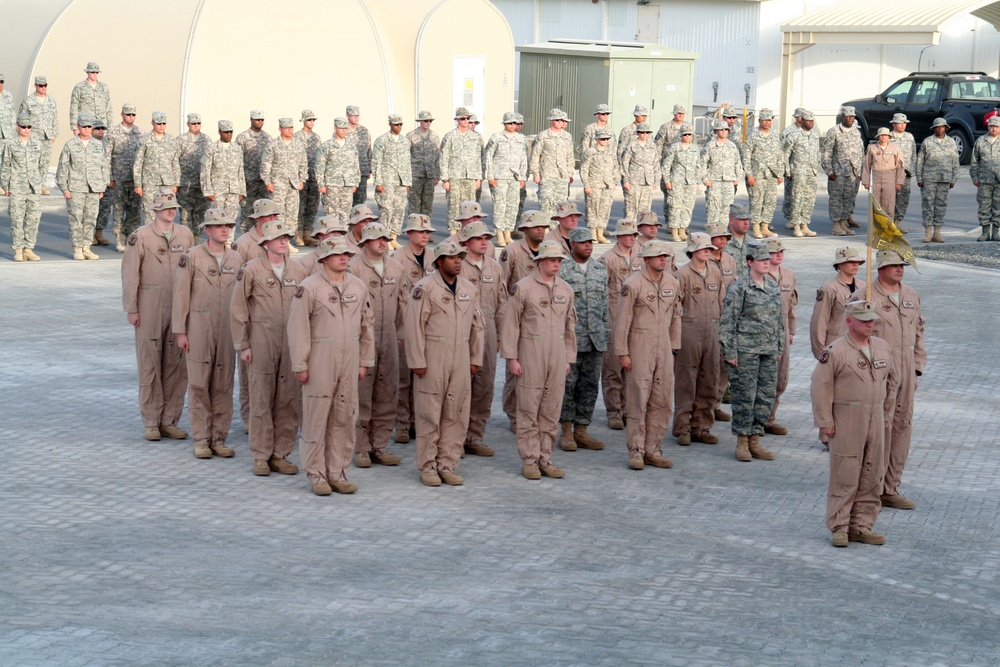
964, 145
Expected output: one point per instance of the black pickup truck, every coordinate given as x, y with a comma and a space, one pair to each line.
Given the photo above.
964, 99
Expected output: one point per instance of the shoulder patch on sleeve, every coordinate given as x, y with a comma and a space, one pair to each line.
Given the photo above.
513, 289
819, 295
299, 291
418, 293
239, 274
133, 239
503, 256
624, 290
183, 261
824, 356
233, 246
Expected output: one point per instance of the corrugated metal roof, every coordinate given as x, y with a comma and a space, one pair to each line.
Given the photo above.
866, 16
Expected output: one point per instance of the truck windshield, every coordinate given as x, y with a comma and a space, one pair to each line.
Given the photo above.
973, 89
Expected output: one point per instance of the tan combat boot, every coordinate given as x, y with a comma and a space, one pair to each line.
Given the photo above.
171, 431
309, 238
430, 478
566, 441
809, 232
657, 461
220, 449
722, 416
202, 450
985, 236
502, 238
584, 439
322, 488
743, 448
601, 238
18, 255
530, 471
928, 234
384, 458
343, 486
78, 252
706, 437
478, 449
260, 468
362, 460
866, 536
282, 466
837, 231
758, 452
675, 235
99, 238
635, 461
120, 242
798, 231
755, 231
298, 238
765, 229
152, 433
935, 239
684, 440
850, 221
549, 470
402, 435
839, 539
684, 234
774, 428
88, 253
30, 255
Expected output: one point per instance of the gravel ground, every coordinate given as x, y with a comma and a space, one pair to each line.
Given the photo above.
986, 255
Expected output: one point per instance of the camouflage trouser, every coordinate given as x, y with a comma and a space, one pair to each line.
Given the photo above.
581, 388
391, 207
753, 385
255, 190
803, 200
337, 201
786, 204
230, 203
902, 200
666, 204
422, 196
718, 198
127, 206
308, 204
25, 213
193, 206
46, 147
520, 200
680, 203
505, 204
551, 191
460, 190
784, 363
988, 196
638, 198
934, 203
82, 208
763, 199
599, 207
287, 199
843, 192
360, 196
104, 209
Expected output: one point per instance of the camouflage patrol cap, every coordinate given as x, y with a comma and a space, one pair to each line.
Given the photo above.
603, 133
643, 128
558, 114
418, 222
656, 249
274, 229
730, 112
775, 245
565, 209
739, 212
847, 254
41, 81
714, 229
194, 118
765, 114
602, 108
334, 245
286, 122
92, 67
474, 119
899, 118
847, 110
581, 235
24, 120
395, 119
698, 241
85, 120
256, 114
550, 250
448, 249
462, 112
374, 230
994, 120
352, 110
308, 114
159, 117
265, 207
474, 230
863, 311
509, 117
640, 110
470, 209
128, 107
520, 118
340, 122
679, 108
758, 252
686, 129
215, 217
625, 227
883, 130
425, 115
99, 124
805, 114
720, 125
225, 126
647, 218
165, 199
798, 112
940, 122
362, 212
328, 224
532, 219
889, 258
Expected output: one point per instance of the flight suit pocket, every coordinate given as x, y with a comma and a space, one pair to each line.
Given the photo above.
199, 373
846, 470
345, 411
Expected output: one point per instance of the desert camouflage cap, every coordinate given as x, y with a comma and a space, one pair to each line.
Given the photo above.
225, 126
765, 114
940, 122
425, 115
602, 108
775, 245
329, 224
847, 110
679, 108
625, 227
847, 254
581, 235
739, 212
730, 112
374, 230
274, 229
533, 219
165, 199
194, 118
462, 112
128, 107
352, 110
418, 222
24, 120
92, 67
286, 122
340, 122
474, 230
758, 251
564, 209
334, 245
41, 81
509, 117
550, 250
85, 120
889, 258
448, 249
265, 207
362, 212
714, 229
308, 114
256, 114
699, 241
159, 117
558, 114
642, 128
395, 119
647, 218
656, 249
216, 217
863, 311
883, 130
899, 118
470, 209
640, 110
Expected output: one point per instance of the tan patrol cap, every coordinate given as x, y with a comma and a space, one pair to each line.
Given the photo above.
656, 249
275, 229
533, 219
550, 250
861, 310
847, 254
418, 222
334, 245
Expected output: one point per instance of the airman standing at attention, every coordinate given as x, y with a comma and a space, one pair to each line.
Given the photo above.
149, 267
337, 171
764, 164
908, 148
720, 165
425, 164
309, 195
223, 182
721, 235
157, 164
444, 347
680, 170
786, 203
789, 300
361, 215
362, 139
284, 169
506, 163
121, 143
589, 137
736, 246
89, 96
192, 148
83, 175
801, 149
567, 217
41, 108
827, 323
600, 175
985, 173
843, 158
107, 201
551, 164
252, 142
640, 165
392, 176
666, 135
883, 171
461, 164
937, 172
203, 292
331, 345
22, 175
640, 114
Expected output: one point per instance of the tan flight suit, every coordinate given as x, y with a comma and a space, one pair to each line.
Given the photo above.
885, 168
556, 235
854, 394
540, 332
648, 329
488, 279
827, 323
727, 267
619, 266
789, 300
517, 261
249, 247
310, 263
901, 325
378, 391
330, 334
414, 272
444, 334
259, 321
202, 294
148, 268
696, 365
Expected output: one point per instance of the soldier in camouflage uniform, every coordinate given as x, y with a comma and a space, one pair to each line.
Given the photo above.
425, 164
393, 178
362, 139
589, 280
666, 135
640, 115
720, 166
193, 146
551, 163
22, 175
786, 202
843, 158
284, 169
801, 149
107, 201
337, 171
7, 114
41, 108
751, 337
309, 196
83, 175
985, 173
681, 169
600, 175
764, 164
223, 181
588, 139
121, 143
936, 171
252, 142
908, 147
90, 96
157, 164
640, 171
506, 171
461, 164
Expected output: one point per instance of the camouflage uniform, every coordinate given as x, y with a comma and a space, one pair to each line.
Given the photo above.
121, 145
720, 164
786, 202
801, 150
590, 297
337, 170
843, 157
625, 137
752, 332
22, 174
391, 170
737, 249
641, 170
107, 201
507, 164
285, 167
665, 137
908, 147
681, 167
461, 166
363, 142
44, 121
7, 116
552, 161
84, 171
587, 140
599, 172
309, 195
425, 168
222, 177
252, 144
95, 100
985, 170
190, 195
157, 165
764, 160
937, 169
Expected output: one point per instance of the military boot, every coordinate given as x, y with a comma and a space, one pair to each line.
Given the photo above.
530, 471
30, 255
152, 433
936, 238
897, 501
298, 238
478, 449
866, 536
343, 486
766, 230
635, 461
430, 478
88, 253
995, 234
774, 428
657, 461
797, 230
362, 460
928, 234
120, 242
755, 231
549, 470
566, 441
171, 431
850, 221
78, 252
675, 235
706, 437
743, 448
722, 416
384, 458
616, 423
809, 232
18, 255
601, 237
220, 449
322, 488
985, 236
839, 539
502, 238
684, 234
202, 450
402, 435
282, 466
684, 439
758, 452
260, 468
837, 231
99, 238
517, 235
584, 440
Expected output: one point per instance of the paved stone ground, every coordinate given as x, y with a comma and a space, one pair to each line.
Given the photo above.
116, 551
